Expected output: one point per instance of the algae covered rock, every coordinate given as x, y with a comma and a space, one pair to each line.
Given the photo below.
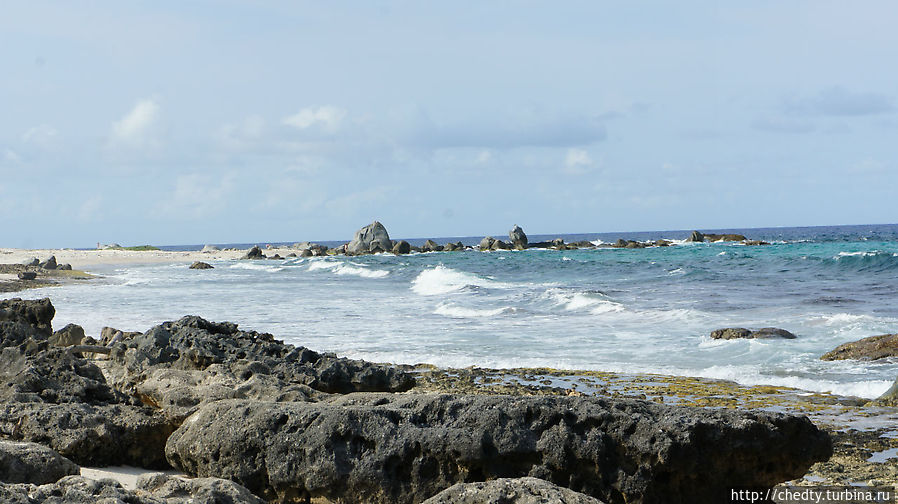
871, 348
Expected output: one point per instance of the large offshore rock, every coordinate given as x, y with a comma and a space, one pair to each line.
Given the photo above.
91, 435
517, 237
405, 448
371, 238
32, 463
510, 491
871, 348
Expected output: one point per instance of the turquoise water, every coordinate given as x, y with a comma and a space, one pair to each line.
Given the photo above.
642, 310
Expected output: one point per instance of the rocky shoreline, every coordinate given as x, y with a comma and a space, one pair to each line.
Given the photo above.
246, 413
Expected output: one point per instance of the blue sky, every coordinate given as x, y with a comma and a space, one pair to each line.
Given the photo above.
227, 121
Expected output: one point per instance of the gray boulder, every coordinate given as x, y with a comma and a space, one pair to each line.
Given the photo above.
34, 261
487, 243
517, 237
405, 448
32, 463
36, 314
71, 334
201, 265
402, 247
743, 333
254, 253
431, 246
451, 247
510, 491
27, 275
370, 239
500, 245
49, 264
64, 267
696, 236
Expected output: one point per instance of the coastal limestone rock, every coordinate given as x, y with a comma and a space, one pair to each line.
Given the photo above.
201, 265
254, 253
32, 463
36, 314
110, 335
743, 333
517, 237
870, 348
64, 267
49, 264
402, 247
510, 491
370, 239
71, 334
151, 489
27, 275
405, 448
195, 490
487, 243
696, 236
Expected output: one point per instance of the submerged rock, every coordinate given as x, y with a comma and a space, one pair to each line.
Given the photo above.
370, 239
383, 448
870, 348
743, 333
32, 463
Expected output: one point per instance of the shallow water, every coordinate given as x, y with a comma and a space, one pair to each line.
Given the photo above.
644, 310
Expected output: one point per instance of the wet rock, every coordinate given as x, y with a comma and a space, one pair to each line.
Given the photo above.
662, 243
871, 348
32, 463
370, 239
741, 332
487, 243
254, 253
27, 275
696, 236
49, 264
404, 448
510, 491
402, 247
196, 490
581, 244
755, 242
517, 237
724, 237
451, 247
500, 245
71, 334
431, 246
201, 265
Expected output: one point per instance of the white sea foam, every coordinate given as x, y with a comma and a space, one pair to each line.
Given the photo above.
451, 310
578, 300
256, 267
340, 268
443, 280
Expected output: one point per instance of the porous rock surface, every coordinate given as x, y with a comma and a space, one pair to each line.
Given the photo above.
510, 491
405, 448
743, 333
32, 463
871, 348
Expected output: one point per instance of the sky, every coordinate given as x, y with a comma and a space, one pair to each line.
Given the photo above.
191, 122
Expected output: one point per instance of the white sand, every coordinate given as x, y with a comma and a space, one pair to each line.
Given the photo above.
85, 259
126, 475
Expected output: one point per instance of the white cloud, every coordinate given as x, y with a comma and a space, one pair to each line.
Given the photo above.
327, 118
577, 162
42, 135
138, 127
198, 195
243, 134
11, 157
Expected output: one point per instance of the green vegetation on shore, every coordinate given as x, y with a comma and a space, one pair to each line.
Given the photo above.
137, 248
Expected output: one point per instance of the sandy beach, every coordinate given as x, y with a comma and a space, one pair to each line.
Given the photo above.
86, 259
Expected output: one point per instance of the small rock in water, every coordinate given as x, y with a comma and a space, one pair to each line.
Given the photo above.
402, 247
743, 333
201, 265
254, 253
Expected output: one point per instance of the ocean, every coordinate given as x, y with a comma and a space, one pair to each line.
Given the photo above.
623, 310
